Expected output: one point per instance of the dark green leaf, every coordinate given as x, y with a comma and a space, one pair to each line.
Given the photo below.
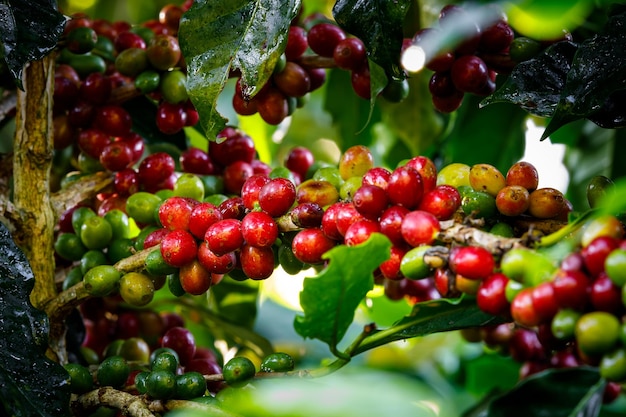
330, 299
596, 73
30, 383
431, 317
569, 392
489, 373
28, 32
492, 135
535, 85
350, 113
414, 120
378, 23
236, 301
218, 37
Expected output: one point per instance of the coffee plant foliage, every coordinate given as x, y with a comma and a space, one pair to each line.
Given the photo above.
560, 88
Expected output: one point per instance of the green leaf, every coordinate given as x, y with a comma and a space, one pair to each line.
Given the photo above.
414, 120
597, 72
431, 317
218, 37
535, 85
566, 392
28, 32
30, 383
489, 373
236, 301
350, 113
378, 23
330, 299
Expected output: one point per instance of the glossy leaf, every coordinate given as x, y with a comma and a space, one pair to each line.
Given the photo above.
596, 73
220, 37
566, 392
330, 299
30, 383
350, 113
414, 120
28, 32
378, 23
535, 85
431, 317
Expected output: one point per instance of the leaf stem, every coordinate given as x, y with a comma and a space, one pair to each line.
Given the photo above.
562, 233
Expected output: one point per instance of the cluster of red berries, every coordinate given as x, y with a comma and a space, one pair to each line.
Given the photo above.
471, 66
103, 65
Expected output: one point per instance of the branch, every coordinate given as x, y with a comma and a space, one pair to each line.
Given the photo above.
453, 232
80, 190
128, 404
59, 307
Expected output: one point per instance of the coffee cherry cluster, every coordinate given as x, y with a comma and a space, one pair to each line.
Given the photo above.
163, 365
563, 313
302, 69
489, 194
100, 67
471, 66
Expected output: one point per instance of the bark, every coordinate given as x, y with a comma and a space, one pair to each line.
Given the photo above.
33, 152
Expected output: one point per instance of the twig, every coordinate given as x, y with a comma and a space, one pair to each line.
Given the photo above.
452, 232
82, 189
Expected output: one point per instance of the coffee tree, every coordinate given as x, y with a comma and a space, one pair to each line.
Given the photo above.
311, 208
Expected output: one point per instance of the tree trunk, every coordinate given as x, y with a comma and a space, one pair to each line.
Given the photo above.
33, 151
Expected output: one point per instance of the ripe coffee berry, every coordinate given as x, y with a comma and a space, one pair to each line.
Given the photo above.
299, 160
202, 216
216, 264
175, 213
491, 297
323, 38
224, 236
360, 231
310, 244
257, 262
370, 201
391, 223
259, 229
156, 168
251, 188
405, 187
178, 248
442, 201
419, 227
350, 54
470, 74
277, 196
473, 262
